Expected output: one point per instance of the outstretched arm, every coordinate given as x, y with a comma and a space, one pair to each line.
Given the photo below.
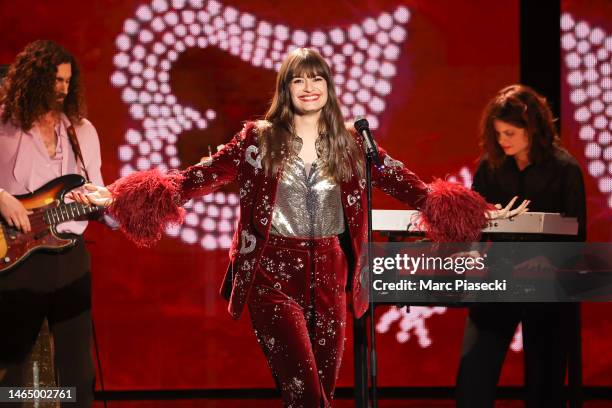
145, 202
449, 211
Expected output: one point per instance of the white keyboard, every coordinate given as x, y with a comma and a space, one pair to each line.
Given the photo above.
528, 223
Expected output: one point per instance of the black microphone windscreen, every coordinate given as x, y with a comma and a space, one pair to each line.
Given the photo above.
361, 124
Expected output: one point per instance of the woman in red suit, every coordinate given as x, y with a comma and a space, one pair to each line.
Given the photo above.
302, 189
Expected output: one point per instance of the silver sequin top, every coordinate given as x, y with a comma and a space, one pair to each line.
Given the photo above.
307, 205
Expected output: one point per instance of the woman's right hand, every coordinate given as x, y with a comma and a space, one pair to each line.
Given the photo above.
13, 212
97, 195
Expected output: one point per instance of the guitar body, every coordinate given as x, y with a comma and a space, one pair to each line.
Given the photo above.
15, 246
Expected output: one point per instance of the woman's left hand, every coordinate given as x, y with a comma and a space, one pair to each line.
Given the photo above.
507, 212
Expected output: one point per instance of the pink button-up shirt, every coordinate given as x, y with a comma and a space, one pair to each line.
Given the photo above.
25, 164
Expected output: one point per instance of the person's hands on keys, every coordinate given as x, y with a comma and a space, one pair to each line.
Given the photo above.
506, 212
97, 195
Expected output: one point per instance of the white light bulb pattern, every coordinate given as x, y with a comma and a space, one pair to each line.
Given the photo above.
464, 177
363, 57
412, 323
587, 55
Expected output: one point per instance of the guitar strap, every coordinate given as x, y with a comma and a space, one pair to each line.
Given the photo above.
76, 149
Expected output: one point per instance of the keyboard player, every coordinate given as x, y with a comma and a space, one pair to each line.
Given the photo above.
521, 157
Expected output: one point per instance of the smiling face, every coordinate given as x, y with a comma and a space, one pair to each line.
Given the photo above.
513, 140
308, 94
305, 86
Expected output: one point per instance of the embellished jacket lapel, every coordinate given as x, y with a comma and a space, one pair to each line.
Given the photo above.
263, 204
354, 203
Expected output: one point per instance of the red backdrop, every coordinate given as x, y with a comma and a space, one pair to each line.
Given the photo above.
595, 17
159, 318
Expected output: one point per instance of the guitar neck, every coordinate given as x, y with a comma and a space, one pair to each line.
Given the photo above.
68, 212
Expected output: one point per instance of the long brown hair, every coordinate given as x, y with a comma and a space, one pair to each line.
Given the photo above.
520, 106
341, 150
28, 92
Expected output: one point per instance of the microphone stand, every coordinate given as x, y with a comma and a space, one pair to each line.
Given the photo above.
360, 330
373, 359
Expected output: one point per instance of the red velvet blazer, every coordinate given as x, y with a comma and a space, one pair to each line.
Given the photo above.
240, 161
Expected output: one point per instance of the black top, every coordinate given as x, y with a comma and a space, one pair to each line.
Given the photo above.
554, 185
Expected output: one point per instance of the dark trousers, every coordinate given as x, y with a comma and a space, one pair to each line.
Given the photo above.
55, 286
488, 333
298, 310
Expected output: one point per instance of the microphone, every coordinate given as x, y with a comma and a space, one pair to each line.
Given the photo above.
363, 128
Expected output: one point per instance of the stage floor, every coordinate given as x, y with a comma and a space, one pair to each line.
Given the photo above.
341, 403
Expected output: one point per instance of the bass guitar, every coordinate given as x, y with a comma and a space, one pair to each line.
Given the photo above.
48, 210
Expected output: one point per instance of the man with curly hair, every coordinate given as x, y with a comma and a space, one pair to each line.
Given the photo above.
42, 112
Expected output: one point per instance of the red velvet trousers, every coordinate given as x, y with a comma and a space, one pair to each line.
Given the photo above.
298, 309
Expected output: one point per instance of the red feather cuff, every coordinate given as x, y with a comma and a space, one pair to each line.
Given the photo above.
453, 213
145, 202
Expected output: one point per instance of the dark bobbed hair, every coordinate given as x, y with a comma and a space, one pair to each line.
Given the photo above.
520, 106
